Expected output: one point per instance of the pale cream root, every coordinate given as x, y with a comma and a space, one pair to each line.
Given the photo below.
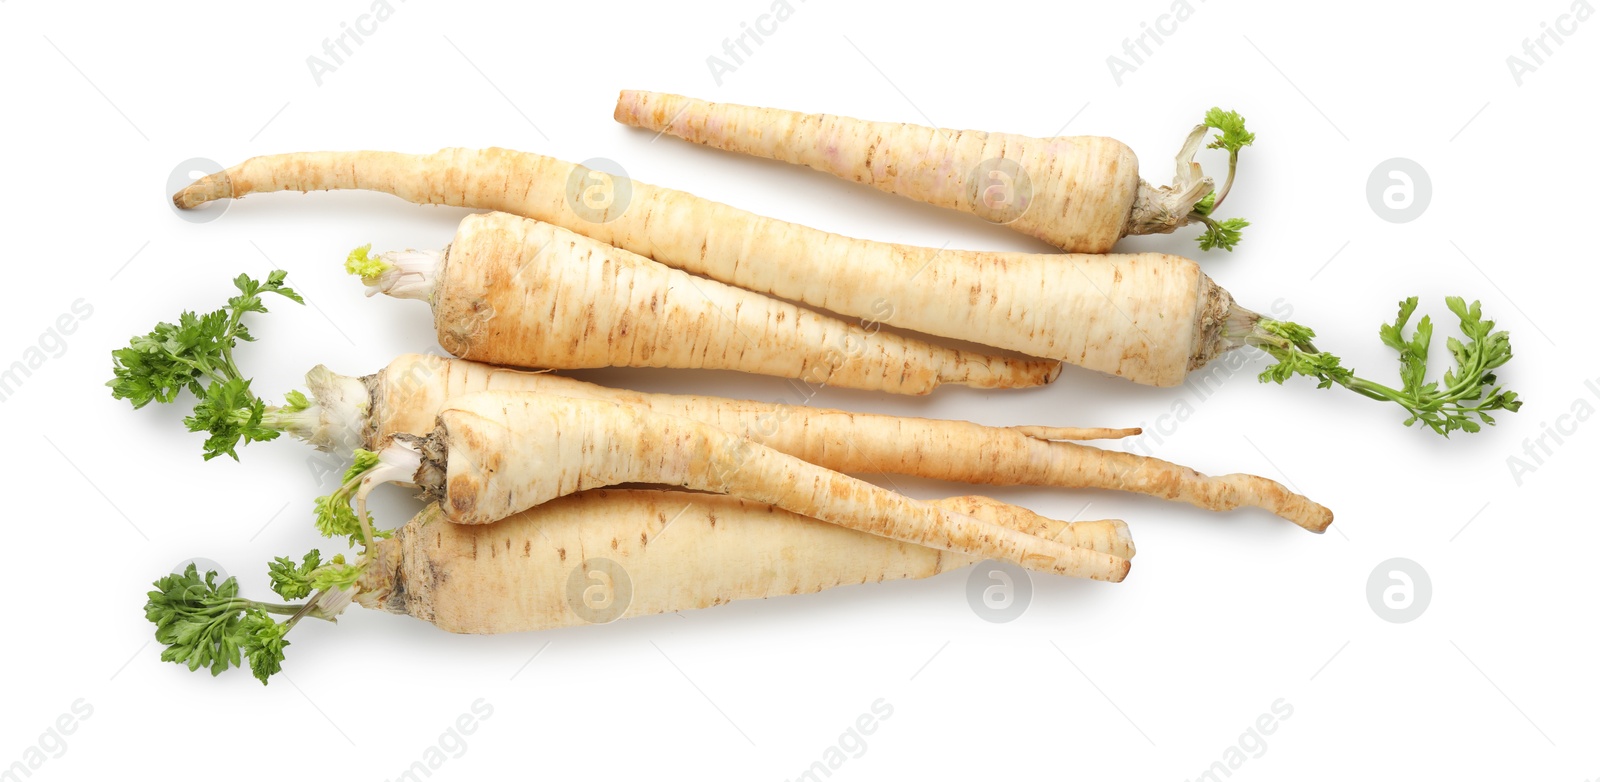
1075, 192
1134, 316
609, 554
502, 452
520, 292
412, 390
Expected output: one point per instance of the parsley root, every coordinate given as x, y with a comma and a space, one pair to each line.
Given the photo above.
1148, 317
497, 453
1079, 193
678, 551
407, 395
671, 551
519, 292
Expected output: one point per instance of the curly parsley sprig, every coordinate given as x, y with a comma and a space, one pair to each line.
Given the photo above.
204, 624
335, 515
364, 264
1231, 136
196, 353
1469, 390
293, 581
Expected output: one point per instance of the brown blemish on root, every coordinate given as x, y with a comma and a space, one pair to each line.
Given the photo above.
1212, 315
463, 494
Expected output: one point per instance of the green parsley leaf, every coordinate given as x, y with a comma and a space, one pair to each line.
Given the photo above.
294, 402
1231, 136
229, 413
1224, 234
292, 581
204, 624
196, 353
335, 518
364, 265
334, 515
336, 575
199, 620
1462, 401
263, 644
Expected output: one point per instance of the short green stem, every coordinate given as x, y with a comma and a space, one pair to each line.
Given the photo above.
282, 609
1227, 184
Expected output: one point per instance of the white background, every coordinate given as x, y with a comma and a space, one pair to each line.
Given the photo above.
1150, 679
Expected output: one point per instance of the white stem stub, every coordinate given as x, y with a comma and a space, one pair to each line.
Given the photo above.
398, 462
1162, 210
336, 420
411, 274
330, 604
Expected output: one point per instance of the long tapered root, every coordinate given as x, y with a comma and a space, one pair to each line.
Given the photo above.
611, 554
1133, 316
510, 451
1073, 192
407, 396
521, 292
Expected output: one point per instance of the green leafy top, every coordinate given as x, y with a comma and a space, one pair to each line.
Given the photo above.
1231, 136
292, 581
196, 353
334, 515
295, 402
1469, 389
207, 625
365, 265
1219, 233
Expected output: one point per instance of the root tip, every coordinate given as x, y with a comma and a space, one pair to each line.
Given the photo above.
1120, 570
1321, 522
214, 187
